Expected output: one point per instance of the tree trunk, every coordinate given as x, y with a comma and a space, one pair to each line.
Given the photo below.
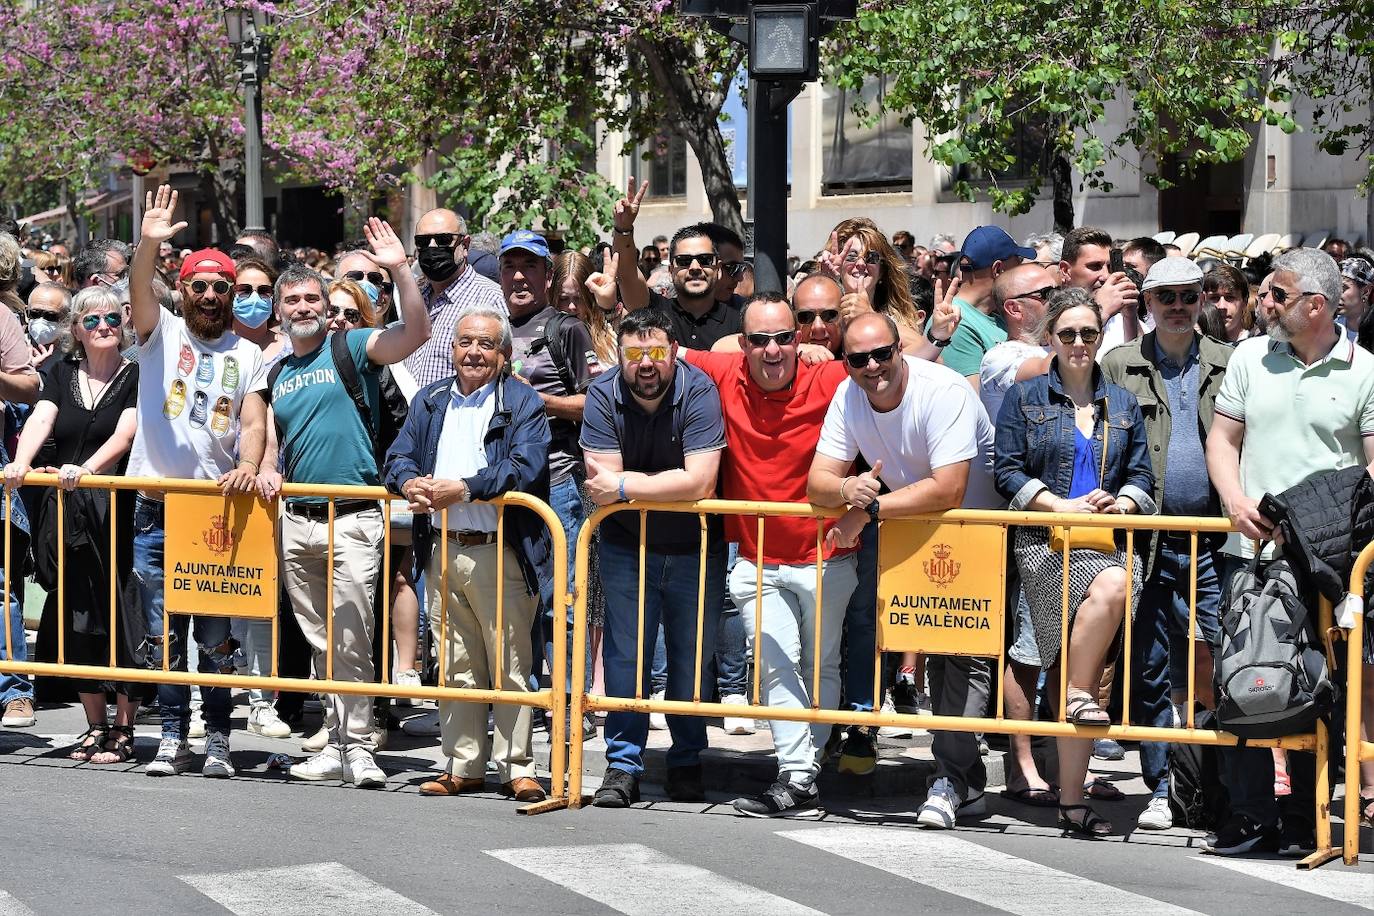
716, 175
1061, 176
220, 193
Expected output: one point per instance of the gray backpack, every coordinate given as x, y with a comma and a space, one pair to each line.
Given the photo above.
1271, 675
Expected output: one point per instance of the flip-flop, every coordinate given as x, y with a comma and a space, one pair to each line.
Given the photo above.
1036, 798
1100, 789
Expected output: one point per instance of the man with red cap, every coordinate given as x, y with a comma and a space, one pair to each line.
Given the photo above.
202, 415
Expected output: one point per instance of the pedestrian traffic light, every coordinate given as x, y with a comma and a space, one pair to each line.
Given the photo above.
783, 41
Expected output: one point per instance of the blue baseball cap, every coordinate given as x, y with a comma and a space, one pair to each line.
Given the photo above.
987, 245
525, 240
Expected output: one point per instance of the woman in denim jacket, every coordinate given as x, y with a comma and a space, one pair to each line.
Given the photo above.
1049, 459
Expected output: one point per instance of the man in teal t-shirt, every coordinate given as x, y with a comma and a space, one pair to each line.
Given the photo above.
322, 438
987, 252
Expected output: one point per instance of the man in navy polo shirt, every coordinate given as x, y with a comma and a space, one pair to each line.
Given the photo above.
652, 430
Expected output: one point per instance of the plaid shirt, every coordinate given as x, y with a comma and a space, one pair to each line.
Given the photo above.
434, 360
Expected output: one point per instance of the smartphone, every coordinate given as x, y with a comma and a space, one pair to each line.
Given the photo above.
1117, 265
1272, 509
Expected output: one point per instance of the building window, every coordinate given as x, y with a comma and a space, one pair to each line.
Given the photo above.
862, 156
663, 160
1030, 146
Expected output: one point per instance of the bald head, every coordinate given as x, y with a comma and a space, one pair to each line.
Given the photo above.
876, 328
440, 220
1021, 293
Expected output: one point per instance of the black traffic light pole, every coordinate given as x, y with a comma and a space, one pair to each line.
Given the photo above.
768, 181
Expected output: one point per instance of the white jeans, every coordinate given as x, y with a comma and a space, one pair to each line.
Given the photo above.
788, 650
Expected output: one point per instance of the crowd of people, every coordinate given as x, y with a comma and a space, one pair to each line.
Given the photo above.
1071, 374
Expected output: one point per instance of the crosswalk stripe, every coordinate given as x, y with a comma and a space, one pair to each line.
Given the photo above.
635, 880
1348, 886
996, 879
12, 907
303, 890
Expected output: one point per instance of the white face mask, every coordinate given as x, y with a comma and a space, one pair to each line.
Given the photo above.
42, 331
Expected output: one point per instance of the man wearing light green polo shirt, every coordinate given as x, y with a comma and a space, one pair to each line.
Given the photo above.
987, 252
1297, 403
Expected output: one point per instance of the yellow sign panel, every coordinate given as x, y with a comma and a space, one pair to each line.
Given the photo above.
221, 555
941, 587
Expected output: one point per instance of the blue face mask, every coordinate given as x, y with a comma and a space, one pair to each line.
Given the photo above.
373, 293
252, 310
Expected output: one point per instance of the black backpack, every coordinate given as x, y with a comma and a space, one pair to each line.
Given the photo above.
1271, 675
393, 403
1197, 797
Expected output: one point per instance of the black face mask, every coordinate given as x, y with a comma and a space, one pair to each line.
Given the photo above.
437, 263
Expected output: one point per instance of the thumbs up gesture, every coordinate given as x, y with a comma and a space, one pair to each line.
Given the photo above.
863, 489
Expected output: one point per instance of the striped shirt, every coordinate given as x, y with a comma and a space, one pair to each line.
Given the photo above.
434, 360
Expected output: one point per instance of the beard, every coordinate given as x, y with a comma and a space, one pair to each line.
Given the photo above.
648, 389
204, 327
306, 327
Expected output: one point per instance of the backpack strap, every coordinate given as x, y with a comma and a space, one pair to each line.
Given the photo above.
272, 375
348, 374
553, 339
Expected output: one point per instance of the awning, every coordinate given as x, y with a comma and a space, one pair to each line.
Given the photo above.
91, 204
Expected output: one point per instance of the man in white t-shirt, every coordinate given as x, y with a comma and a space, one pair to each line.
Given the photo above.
1020, 294
201, 416
922, 429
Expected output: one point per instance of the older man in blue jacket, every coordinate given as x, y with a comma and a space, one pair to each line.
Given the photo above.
467, 439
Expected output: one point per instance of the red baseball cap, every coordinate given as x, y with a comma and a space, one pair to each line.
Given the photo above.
208, 261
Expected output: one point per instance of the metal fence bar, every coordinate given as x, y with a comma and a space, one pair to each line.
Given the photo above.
9, 625
61, 583
1354, 744
1126, 628
701, 607
639, 644
114, 580
1192, 629
386, 585
816, 644
329, 594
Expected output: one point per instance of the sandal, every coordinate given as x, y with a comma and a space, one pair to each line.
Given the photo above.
1099, 789
1092, 824
1367, 810
1083, 710
89, 742
118, 746
1036, 798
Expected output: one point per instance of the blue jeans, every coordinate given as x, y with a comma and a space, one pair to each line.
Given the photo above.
566, 501
1160, 634
212, 633
861, 626
732, 659
670, 596
15, 686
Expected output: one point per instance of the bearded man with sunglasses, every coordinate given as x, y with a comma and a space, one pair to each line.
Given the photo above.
201, 415
1175, 373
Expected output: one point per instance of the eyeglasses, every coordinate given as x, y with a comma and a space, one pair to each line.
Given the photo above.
91, 322
684, 261
1039, 295
221, 287
658, 353
243, 289
442, 239
734, 268
807, 316
374, 277
1087, 335
879, 355
1167, 297
872, 258
50, 316
782, 338
1281, 295
53, 271
352, 316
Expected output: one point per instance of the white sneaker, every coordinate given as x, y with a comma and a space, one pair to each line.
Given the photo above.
379, 738
940, 807
173, 757
736, 725
1156, 816
892, 731
363, 769
658, 722
197, 727
325, 765
407, 678
263, 720
426, 726
217, 764
316, 742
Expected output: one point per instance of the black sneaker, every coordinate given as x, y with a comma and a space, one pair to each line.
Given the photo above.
1297, 838
859, 753
1241, 834
832, 745
684, 784
905, 699
618, 790
783, 799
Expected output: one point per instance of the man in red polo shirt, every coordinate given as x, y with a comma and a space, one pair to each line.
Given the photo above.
774, 407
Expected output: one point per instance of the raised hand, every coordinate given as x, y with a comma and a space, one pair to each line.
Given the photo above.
854, 281
828, 260
944, 321
387, 250
158, 209
602, 284
627, 208
863, 489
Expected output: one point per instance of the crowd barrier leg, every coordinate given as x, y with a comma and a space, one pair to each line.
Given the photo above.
1356, 748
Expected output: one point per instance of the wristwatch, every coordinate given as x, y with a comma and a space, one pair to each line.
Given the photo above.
619, 231
941, 344
872, 509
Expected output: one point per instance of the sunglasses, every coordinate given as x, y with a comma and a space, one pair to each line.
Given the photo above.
734, 268
1281, 295
871, 258
782, 338
1087, 335
442, 239
658, 353
684, 261
52, 271
1039, 295
91, 322
243, 289
221, 287
1167, 297
880, 355
807, 316
352, 316
50, 316
372, 276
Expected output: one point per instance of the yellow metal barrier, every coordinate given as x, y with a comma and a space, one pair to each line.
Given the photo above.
554, 699
1356, 748
581, 701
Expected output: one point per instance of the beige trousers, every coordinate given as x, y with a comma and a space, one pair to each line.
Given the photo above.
357, 561
467, 603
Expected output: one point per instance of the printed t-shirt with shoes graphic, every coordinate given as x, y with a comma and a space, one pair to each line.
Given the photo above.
190, 392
